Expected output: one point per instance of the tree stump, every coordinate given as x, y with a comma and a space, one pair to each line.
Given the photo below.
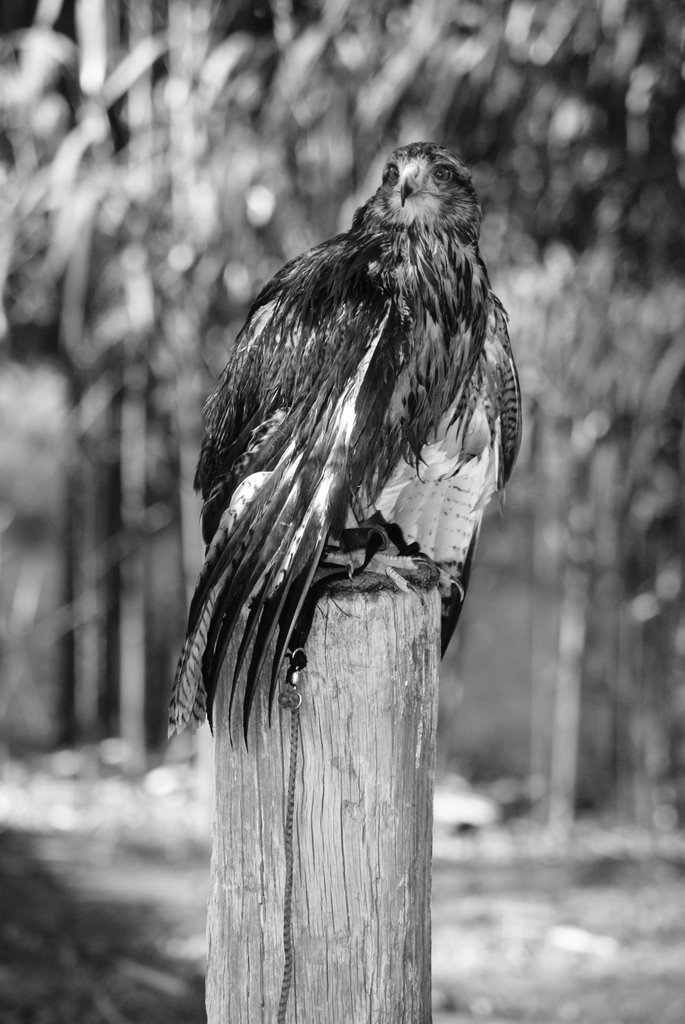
362, 822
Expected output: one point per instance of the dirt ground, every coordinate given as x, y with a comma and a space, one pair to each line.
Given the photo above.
103, 894
593, 934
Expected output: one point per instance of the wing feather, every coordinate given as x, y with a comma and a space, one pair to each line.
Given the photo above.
269, 549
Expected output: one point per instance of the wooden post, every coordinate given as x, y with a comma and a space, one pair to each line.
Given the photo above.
363, 822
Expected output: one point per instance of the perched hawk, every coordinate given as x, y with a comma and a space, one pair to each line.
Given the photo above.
372, 381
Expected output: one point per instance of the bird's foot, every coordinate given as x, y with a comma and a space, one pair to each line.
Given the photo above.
355, 562
390, 566
358, 547
366, 548
409, 554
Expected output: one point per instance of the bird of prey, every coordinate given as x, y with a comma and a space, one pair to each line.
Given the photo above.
373, 381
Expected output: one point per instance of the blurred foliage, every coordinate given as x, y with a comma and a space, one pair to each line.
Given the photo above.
162, 161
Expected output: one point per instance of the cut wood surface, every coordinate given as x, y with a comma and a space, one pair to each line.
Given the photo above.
363, 820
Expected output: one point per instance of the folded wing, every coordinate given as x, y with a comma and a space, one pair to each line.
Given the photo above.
275, 478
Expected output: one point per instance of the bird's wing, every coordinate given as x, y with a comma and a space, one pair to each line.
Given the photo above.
314, 361
504, 393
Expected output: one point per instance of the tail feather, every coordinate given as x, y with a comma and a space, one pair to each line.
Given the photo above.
289, 622
251, 576
278, 614
265, 610
262, 627
189, 697
212, 554
274, 496
231, 572
257, 628
268, 624
266, 554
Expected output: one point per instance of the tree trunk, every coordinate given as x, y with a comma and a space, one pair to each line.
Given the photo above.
573, 622
139, 298
362, 823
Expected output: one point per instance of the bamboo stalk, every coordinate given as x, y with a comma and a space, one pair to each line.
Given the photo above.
573, 618
140, 305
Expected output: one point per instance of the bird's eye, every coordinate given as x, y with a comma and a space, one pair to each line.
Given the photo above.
392, 173
443, 173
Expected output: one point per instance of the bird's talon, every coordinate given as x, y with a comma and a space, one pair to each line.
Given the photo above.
447, 581
402, 585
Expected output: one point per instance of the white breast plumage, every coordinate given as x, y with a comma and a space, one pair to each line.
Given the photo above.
440, 503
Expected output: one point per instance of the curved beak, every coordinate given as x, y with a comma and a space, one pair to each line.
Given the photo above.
410, 180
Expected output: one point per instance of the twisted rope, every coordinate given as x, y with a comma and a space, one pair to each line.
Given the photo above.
290, 699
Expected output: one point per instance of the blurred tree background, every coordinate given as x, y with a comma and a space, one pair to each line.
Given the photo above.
161, 159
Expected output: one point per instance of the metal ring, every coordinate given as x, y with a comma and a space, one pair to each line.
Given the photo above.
298, 659
290, 700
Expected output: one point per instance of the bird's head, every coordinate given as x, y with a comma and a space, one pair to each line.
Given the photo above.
426, 185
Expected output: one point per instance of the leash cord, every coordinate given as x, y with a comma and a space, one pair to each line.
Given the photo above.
290, 698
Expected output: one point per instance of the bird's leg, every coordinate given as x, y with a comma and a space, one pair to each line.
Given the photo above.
411, 553
369, 536
366, 547
375, 557
358, 546
394, 533
372, 544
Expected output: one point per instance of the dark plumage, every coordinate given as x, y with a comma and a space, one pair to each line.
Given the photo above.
373, 374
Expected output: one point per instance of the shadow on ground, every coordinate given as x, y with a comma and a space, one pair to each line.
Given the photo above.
116, 949
103, 888
589, 934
